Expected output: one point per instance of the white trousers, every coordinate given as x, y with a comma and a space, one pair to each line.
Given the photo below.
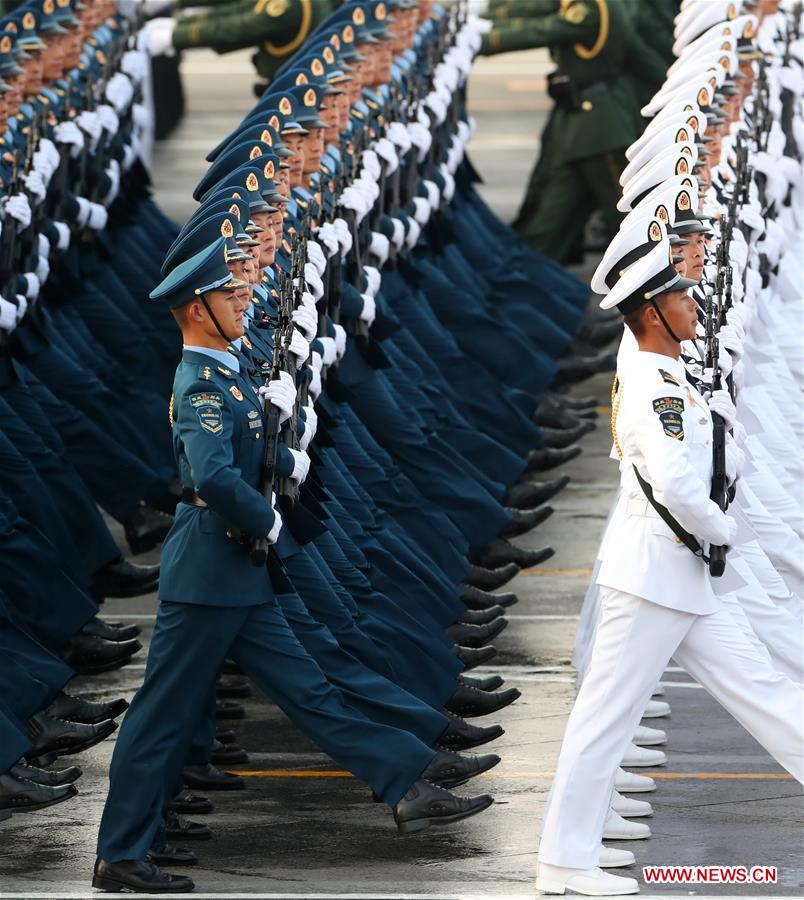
634, 642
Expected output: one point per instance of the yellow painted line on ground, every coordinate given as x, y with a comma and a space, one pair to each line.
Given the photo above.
557, 571
678, 776
603, 410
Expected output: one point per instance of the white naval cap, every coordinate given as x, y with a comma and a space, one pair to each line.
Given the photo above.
649, 277
724, 35
715, 58
695, 19
709, 73
678, 159
688, 113
657, 143
700, 92
637, 236
675, 203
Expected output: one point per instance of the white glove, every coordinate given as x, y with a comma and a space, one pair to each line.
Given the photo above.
69, 133
22, 306
42, 269
330, 350
129, 157
43, 164
398, 133
316, 360
135, 63
734, 527
108, 118
98, 217
19, 208
152, 8
385, 150
120, 91
433, 195
729, 338
277, 393
340, 341
32, 285
35, 184
317, 257
721, 403
735, 460
90, 123
141, 116
328, 237
369, 311
299, 346
421, 139
273, 534
371, 163
313, 280
306, 320
301, 465
380, 246
373, 280
414, 231
724, 361
43, 246
422, 211
160, 36
343, 234
314, 389
398, 236
8, 315
310, 422
113, 174
49, 149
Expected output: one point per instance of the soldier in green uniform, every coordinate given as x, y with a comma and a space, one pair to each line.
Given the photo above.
277, 28
594, 119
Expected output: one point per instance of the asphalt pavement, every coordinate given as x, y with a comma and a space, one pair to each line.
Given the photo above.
302, 828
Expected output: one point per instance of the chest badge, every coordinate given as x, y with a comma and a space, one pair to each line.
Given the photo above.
247, 342
236, 392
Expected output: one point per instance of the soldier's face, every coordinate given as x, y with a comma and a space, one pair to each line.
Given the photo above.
294, 143
53, 58
242, 295
73, 43
681, 312
267, 239
313, 147
693, 254
227, 309
277, 223
342, 106
384, 59
14, 97
425, 9
33, 74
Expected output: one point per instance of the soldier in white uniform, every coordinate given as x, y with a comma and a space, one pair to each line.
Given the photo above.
656, 596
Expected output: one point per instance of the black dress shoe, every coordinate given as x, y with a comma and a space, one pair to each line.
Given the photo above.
188, 803
449, 769
599, 334
426, 804
227, 754
474, 598
225, 736
122, 578
138, 876
551, 404
571, 402
177, 826
476, 635
482, 683
146, 528
499, 551
572, 369
481, 616
22, 795
167, 854
89, 655
460, 735
532, 493
51, 778
228, 710
472, 658
109, 632
230, 667
51, 737
229, 689
208, 778
557, 439
524, 520
548, 416
470, 702
77, 709
545, 458
488, 580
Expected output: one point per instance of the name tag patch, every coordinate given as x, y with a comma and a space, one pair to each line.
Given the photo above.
207, 407
669, 410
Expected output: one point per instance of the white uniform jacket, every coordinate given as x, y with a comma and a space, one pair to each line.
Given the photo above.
663, 426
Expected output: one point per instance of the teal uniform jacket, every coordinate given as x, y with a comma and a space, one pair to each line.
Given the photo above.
219, 441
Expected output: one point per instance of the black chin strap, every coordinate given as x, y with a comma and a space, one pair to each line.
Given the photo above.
216, 323
667, 328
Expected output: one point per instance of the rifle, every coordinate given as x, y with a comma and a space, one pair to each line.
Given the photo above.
259, 545
719, 492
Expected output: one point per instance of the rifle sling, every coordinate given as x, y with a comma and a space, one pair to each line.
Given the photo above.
687, 539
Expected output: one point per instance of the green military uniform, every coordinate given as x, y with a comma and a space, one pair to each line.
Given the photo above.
592, 42
276, 27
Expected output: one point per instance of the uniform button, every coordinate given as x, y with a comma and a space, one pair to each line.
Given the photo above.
257, 436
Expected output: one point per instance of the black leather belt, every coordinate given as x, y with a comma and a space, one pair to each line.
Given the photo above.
189, 496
